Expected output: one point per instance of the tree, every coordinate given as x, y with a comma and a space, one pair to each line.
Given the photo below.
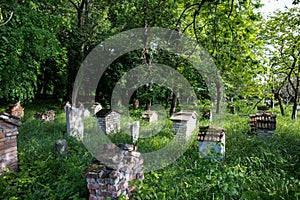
28, 47
284, 51
228, 30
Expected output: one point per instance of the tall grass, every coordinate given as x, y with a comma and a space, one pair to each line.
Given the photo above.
254, 167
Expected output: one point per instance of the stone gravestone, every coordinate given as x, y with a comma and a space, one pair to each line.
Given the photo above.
16, 110
135, 130
46, 116
232, 109
150, 116
76, 122
136, 104
61, 146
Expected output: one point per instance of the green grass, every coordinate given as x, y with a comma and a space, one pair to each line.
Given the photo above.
254, 167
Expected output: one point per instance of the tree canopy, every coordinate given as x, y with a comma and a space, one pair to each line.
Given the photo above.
43, 44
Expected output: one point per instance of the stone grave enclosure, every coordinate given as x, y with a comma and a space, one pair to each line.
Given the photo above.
211, 142
8, 142
109, 176
264, 124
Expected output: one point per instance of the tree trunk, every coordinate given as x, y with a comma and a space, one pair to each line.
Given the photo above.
173, 104
295, 103
277, 97
219, 97
167, 98
148, 104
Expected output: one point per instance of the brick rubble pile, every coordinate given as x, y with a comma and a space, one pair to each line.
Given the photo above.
110, 175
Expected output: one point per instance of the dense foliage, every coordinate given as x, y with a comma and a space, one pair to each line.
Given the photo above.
43, 44
254, 167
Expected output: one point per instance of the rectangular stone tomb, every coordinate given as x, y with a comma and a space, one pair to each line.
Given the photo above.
211, 142
264, 124
184, 122
109, 121
8, 142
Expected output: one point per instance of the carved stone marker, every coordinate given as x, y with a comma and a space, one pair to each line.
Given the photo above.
135, 131
150, 116
61, 146
136, 104
15, 110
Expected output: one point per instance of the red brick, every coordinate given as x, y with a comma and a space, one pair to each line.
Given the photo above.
10, 149
9, 146
92, 197
116, 194
105, 193
103, 187
13, 141
112, 188
92, 186
93, 192
12, 134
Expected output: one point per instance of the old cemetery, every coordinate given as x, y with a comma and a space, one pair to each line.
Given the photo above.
39, 160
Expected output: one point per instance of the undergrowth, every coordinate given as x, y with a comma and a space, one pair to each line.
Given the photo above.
254, 167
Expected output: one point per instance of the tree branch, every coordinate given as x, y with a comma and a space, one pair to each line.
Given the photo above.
181, 15
76, 7
11, 14
231, 8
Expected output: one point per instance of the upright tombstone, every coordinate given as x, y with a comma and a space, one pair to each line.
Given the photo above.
67, 109
211, 142
150, 116
184, 123
207, 114
8, 142
15, 110
136, 104
232, 109
96, 107
134, 131
61, 146
76, 122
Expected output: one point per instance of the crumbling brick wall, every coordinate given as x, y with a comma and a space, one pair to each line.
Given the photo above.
8, 142
110, 175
